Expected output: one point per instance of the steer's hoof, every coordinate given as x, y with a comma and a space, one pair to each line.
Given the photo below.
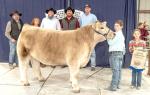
76, 90
42, 80
26, 84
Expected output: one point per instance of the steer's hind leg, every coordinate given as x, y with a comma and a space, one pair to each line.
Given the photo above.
74, 72
36, 69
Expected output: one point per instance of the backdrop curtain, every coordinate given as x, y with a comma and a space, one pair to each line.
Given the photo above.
105, 10
29, 9
110, 11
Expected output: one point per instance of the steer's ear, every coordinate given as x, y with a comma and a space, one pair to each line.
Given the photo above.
94, 25
104, 23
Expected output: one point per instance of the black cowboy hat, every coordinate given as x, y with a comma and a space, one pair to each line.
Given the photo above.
51, 9
15, 12
69, 8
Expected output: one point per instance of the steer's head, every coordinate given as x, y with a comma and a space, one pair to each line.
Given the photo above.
102, 31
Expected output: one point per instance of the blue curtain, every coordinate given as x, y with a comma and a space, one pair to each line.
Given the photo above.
29, 9
110, 11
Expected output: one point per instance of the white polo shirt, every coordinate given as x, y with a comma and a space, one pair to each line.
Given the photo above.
50, 23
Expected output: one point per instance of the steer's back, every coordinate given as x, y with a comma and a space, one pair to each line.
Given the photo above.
50, 46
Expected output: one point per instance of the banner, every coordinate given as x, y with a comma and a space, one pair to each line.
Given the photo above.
139, 57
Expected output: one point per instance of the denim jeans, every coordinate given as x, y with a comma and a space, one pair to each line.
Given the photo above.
115, 61
12, 53
136, 78
93, 59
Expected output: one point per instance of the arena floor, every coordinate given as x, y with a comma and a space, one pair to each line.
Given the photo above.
57, 83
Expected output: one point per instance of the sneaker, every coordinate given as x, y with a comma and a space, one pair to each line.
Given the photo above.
92, 68
11, 66
16, 65
132, 86
118, 87
138, 88
112, 89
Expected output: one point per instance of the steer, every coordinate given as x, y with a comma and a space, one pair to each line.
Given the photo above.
55, 47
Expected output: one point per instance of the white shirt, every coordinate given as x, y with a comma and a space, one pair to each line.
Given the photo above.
117, 43
50, 23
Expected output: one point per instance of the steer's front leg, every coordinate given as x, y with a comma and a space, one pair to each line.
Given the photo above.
74, 71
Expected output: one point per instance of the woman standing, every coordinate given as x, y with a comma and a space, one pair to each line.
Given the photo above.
36, 22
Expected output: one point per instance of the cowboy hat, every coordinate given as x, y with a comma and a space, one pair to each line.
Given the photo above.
69, 8
15, 12
51, 9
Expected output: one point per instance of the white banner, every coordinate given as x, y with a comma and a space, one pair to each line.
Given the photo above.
139, 57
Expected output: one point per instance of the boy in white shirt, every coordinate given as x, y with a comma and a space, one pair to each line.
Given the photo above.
116, 53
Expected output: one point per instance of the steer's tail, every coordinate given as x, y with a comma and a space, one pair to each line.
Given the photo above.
23, 58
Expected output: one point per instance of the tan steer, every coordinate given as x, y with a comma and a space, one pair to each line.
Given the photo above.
52, 47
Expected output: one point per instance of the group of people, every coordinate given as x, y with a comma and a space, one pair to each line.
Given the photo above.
14, 27
116, 45
117, 51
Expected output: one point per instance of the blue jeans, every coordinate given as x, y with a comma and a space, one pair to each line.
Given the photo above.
12, 53
136, 78
93, 59
115, 61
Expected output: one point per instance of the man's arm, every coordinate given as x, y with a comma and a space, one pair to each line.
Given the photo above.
77, 24
8, 30
58, 25
80, 21
95, 18
116, 39
42, 24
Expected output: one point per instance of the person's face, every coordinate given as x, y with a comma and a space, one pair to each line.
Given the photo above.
50, 13
137, 35
16, 17
36, 22
87, 10
117, 27
141, 26
69, 13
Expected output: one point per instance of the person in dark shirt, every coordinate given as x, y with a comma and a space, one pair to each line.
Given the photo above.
12, 32
69, 22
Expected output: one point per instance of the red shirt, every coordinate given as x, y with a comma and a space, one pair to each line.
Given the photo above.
134, 44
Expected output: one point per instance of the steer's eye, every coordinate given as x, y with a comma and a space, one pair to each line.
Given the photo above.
102, 27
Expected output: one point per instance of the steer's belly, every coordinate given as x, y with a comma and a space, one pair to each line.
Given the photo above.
55, 62
49, 59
